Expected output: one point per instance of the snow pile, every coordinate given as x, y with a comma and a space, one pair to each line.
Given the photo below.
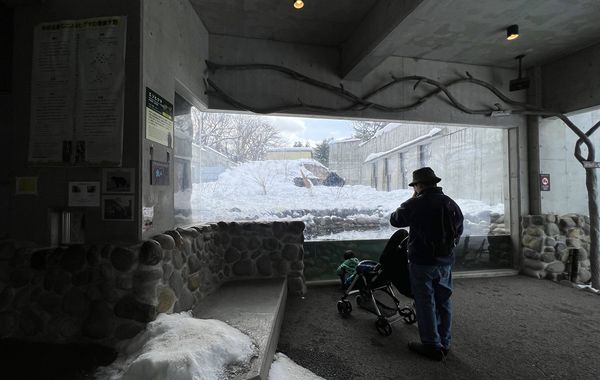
178, 346
283, 368
265, 191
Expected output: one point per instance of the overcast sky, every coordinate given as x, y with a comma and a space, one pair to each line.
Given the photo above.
311, 130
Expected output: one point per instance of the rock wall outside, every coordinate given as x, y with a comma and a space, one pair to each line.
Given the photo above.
550, 242
104, 293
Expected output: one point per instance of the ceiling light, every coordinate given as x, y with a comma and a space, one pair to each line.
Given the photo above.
512, 32
298, 4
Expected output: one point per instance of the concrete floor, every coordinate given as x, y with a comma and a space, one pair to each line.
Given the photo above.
504, 328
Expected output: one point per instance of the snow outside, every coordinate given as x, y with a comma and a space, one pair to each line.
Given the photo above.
262, 168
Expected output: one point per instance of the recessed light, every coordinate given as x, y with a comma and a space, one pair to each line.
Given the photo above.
512, 32
298, 4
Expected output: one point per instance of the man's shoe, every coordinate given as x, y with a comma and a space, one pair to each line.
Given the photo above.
432, 353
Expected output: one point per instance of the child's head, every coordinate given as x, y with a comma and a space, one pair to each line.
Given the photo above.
348, 254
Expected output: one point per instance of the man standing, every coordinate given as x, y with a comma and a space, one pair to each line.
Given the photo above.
436, 223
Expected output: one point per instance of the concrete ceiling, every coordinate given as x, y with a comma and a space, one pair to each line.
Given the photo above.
368, 31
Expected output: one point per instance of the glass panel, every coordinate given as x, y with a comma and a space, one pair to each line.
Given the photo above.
262, 168
321, 258
567, 190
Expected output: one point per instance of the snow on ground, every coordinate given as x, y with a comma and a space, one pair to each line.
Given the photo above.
284, 368
177, 347
181, 347
263, 190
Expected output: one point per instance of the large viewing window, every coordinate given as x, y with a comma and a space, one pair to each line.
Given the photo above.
245, 167
234, 167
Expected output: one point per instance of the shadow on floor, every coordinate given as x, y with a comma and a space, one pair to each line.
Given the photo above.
30, 360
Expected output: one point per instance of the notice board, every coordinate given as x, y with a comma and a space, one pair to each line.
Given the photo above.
77, 92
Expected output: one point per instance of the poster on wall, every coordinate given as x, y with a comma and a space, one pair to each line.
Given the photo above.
84, 194
77, 92
26, 186
159, 119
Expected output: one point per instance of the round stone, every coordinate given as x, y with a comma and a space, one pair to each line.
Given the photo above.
166, 300
20, 277
167, 272
189, 232
243, 267
290, 252
566, 222
264, 266
151, 253
176, 238
194, 281
165, 241
253, 243
193, 263
127, 307
82, 278
270, 244
38, 259
75, 303
128, 330
552, 229
533, 242
232, 255
239, 243
185, 301
556, 267
8, 323
94, 254
122, 259
101, 322
176, 283
534, 264
178, 260
6, 297
30, 323
73, 259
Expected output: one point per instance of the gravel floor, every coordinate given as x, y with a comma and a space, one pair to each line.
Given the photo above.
504, 328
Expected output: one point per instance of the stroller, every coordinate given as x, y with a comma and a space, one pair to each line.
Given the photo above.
372, 276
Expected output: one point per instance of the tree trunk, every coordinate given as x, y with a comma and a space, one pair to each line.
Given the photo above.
592, 188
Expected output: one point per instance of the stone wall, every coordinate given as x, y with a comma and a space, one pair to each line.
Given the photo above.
549, 242
104, 293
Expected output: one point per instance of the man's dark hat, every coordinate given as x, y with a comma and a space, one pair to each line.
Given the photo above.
424, 175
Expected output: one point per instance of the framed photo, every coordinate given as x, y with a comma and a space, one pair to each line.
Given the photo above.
118, 180
84, 194
26, 186
117, 207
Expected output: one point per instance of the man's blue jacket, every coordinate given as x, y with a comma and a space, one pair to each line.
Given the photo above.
423, 214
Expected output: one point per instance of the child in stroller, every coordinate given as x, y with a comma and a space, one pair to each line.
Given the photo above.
372, 276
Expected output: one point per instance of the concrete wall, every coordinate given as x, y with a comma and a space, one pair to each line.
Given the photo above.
344, 160
568, 193
28, 215
262, 88
471, 161
175, 46
571, 83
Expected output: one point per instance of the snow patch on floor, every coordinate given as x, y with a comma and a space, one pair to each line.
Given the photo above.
284, 368
179, 346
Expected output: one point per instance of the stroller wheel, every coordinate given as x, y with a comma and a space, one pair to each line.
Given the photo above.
383, 326
408, 315
344, 307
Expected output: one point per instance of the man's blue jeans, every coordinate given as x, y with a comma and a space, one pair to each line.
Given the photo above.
432, 287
